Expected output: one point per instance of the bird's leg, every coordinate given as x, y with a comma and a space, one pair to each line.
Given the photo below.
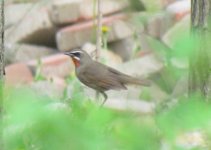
97, 95
105, 97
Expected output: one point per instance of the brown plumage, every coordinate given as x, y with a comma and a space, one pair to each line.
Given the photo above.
99, 76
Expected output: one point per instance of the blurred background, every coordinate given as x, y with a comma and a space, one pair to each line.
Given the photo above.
137, 39
47, 108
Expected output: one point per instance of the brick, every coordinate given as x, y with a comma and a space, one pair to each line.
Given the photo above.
79, 34
20, 11
18, 73
35, 28
25, 52
107, 7
56, 65
65, 11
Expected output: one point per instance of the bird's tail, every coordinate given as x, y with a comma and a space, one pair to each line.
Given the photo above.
137, 81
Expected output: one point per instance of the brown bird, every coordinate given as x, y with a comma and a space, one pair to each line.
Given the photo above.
99, 76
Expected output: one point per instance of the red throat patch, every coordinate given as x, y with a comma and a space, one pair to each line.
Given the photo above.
76, 62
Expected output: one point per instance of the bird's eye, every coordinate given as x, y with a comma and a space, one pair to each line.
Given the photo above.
78, 55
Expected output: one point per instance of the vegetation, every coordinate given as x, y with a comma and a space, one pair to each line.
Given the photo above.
32, 121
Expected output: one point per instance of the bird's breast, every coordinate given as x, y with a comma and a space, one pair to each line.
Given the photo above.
76, 62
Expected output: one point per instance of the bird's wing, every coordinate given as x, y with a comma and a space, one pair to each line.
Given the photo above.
126, 79
100, 78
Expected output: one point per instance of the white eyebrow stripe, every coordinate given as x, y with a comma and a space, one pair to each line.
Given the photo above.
76, 52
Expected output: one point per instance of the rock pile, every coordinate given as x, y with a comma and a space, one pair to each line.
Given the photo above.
42, 30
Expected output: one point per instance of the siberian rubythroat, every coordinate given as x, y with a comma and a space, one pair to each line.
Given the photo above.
99, 76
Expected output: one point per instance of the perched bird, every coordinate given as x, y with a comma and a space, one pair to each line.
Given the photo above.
99, 76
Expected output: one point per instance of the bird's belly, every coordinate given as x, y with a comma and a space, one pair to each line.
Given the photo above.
92, 85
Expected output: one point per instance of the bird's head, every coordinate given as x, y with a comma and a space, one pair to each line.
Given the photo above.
79, 57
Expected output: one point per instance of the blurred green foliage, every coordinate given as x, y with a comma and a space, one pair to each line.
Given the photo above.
33, 122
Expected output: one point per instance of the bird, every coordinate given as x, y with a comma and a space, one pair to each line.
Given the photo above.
99, 76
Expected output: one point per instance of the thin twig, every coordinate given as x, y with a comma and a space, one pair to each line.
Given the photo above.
99, 35
99, 31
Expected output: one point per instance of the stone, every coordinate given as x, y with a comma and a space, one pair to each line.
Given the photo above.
25, 52
142, 46
35, 28
107, 7
106, 56
152, 93
142, 67
58, 81
123, 100
124, 48
127, 47
49, 89
195, 139
180, 63
158, 24
17, 74
9, 2
55, 65
134, 105
181, 87
116, 30
152, 5
179, 9
20, 10
58, 106
76, 35
132, 92
178, 31
65, 11
156, 94
165, 3
150, 45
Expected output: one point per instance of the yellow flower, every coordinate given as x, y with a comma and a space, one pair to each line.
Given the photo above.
105, 29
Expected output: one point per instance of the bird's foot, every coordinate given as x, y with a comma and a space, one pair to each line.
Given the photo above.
105, 98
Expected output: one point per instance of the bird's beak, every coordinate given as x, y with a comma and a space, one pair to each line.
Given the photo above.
68, 53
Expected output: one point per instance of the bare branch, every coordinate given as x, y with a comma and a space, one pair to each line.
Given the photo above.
99, 31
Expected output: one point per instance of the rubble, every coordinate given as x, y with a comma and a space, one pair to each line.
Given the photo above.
55, 65
18, 74
25, 52
34, 28
74, 36
41, 31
